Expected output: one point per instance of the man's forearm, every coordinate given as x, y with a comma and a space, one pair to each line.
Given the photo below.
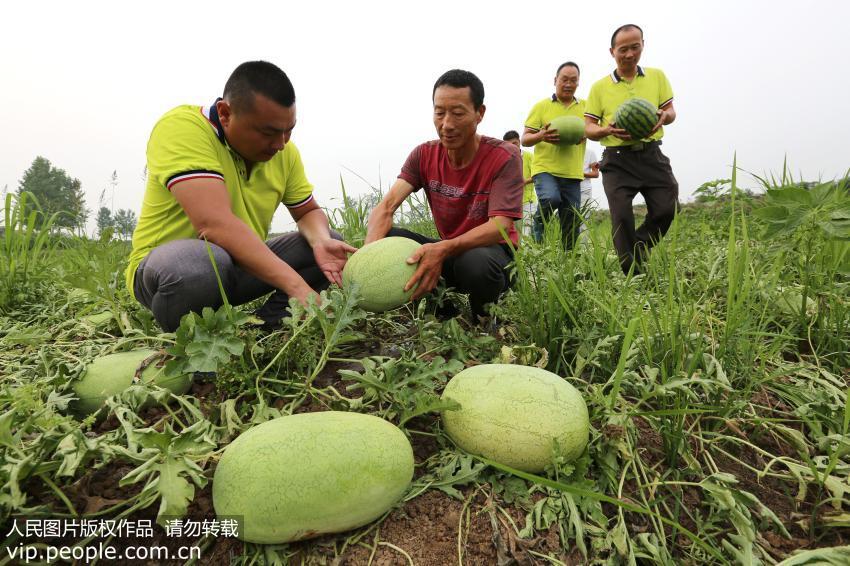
380, 222
314, 227
486, 234
254, 256
594, 132
530, 139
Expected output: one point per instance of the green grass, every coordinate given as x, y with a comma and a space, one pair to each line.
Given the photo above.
717, 386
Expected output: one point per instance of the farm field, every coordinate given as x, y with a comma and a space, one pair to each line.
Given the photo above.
716, 383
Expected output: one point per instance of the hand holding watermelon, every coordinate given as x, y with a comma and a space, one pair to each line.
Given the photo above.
549, 134
331, 256
430, 258
665, 116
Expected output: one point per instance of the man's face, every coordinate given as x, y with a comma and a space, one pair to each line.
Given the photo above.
566, 83
258, 132
514, 141
628, 45
455, 117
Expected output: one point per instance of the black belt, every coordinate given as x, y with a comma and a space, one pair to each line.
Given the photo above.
639, 146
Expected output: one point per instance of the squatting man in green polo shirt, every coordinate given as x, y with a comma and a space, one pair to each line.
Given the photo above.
219, 173
632, 166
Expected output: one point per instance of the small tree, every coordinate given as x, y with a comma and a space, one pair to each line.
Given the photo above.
124, 223
56, 191
104, 220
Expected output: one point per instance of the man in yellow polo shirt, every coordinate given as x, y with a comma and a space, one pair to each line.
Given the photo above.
632, 166
557, 170
529, 196
218, 174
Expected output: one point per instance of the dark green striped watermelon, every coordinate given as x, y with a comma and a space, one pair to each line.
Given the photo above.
637, 116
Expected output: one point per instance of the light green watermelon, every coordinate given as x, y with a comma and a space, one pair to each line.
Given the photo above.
113, 373
519, 416
380, 271
570, 129
637, 116
300, 476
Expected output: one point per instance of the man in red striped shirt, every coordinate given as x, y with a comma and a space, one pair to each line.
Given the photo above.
473, 184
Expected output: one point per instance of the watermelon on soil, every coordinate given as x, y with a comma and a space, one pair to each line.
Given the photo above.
303, 475
111, 374
380, 271
570, 129
637, 116
517, 415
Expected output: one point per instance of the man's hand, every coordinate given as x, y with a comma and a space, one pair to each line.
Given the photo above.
549, 135
430, 258
665, 116
620, 133
594, 167
331, 256
303, 294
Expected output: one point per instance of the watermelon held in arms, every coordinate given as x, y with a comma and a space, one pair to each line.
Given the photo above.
519, 416
299, 476
380, 271
637, 116
570, 129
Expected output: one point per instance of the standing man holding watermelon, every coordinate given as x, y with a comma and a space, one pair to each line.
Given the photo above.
216, 176
473, 184
558, 165
632, 163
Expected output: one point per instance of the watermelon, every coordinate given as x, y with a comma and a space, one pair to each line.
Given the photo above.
570, 129
519, 416
637, 116
111, 374
380, 271
299, 476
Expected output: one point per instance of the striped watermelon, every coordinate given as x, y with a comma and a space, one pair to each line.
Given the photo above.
637, 116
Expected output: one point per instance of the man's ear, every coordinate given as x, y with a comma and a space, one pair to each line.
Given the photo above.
481, 113
224, 112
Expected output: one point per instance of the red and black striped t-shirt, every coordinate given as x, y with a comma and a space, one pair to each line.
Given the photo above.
462, 199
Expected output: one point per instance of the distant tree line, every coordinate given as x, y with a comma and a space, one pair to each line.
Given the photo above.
56, 191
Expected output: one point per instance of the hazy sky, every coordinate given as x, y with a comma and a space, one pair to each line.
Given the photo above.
84, 82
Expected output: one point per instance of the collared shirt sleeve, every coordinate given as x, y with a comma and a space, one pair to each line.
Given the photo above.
593, 105
535, 118
180, 149
665, 91
506, 190
298, 190
411, 171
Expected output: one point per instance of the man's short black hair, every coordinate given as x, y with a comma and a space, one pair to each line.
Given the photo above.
258, 77
568, 64
625, 27
510, 135
459, 78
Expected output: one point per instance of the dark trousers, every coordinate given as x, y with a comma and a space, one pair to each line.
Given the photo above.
561, 196
625, 174
177, 278
480, 272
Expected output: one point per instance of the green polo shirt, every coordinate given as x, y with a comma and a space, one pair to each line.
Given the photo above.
528, 194
188, 143
565, 161
607, 94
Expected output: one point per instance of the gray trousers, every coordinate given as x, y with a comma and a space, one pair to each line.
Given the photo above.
177, 278
625, 174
